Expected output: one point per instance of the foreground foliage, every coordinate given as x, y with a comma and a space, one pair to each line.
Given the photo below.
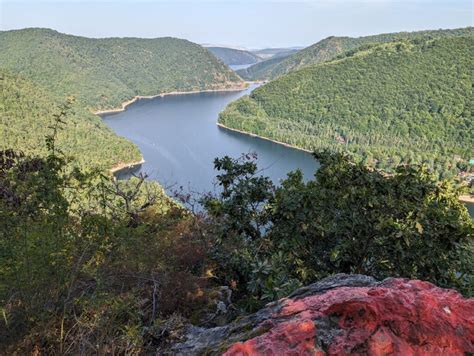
350, 219
387, 104
89, 265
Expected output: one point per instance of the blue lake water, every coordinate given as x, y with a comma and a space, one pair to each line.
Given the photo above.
179, 140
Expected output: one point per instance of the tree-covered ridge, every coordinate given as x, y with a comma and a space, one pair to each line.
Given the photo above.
27, 113
330, 47
102, 73
258, 71
232, 56
387, 104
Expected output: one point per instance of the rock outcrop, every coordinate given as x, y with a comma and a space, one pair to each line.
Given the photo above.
348, 314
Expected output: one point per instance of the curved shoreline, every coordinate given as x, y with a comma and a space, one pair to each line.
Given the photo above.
129, 102
468, 199
263, 138
122, 166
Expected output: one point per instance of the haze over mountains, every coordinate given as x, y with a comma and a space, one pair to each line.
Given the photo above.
233, 56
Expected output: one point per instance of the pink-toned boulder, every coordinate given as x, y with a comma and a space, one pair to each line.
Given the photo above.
354, 315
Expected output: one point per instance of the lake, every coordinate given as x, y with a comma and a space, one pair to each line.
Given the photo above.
179, 140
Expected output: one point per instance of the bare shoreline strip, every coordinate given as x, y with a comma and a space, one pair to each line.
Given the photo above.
127, 103
264, 138
469, 199
121, 166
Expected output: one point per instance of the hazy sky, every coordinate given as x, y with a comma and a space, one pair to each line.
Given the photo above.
252, 24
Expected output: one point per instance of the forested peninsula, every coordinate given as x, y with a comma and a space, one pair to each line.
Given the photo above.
390, 103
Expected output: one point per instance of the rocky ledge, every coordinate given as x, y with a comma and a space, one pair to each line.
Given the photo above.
348, 314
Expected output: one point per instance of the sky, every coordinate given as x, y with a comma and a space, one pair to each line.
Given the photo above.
239, 23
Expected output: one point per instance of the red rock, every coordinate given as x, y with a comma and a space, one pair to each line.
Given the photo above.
396, 316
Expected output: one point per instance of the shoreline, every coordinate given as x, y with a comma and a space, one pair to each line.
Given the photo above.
466, 198
263, 138
122, 166
129, 102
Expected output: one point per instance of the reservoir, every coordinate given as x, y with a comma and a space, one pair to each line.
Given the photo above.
179, 140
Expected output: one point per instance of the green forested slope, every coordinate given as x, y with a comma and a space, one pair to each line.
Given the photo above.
387, 104
330, 47
102, 73
41, 68
27, 114
259, 71
231, 56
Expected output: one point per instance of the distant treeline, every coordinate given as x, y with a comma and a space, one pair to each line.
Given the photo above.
331, 47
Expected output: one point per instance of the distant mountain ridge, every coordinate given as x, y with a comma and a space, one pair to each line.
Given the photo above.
231, 56
331, 47
102, 73
267, 53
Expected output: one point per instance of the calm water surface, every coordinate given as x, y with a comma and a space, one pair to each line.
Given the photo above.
179, 140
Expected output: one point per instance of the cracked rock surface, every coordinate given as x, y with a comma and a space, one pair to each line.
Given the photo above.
348, 314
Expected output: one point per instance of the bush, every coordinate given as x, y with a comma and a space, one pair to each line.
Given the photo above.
350, 219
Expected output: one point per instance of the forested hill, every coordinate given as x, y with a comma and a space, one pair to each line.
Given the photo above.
331, 47
27, 115
231, 56
386, 103
102, 73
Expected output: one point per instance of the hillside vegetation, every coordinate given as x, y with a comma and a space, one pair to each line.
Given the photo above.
331, 47
27, 113
231, 56
93, 266
387, 104
41, 68
90, 265
102, 73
